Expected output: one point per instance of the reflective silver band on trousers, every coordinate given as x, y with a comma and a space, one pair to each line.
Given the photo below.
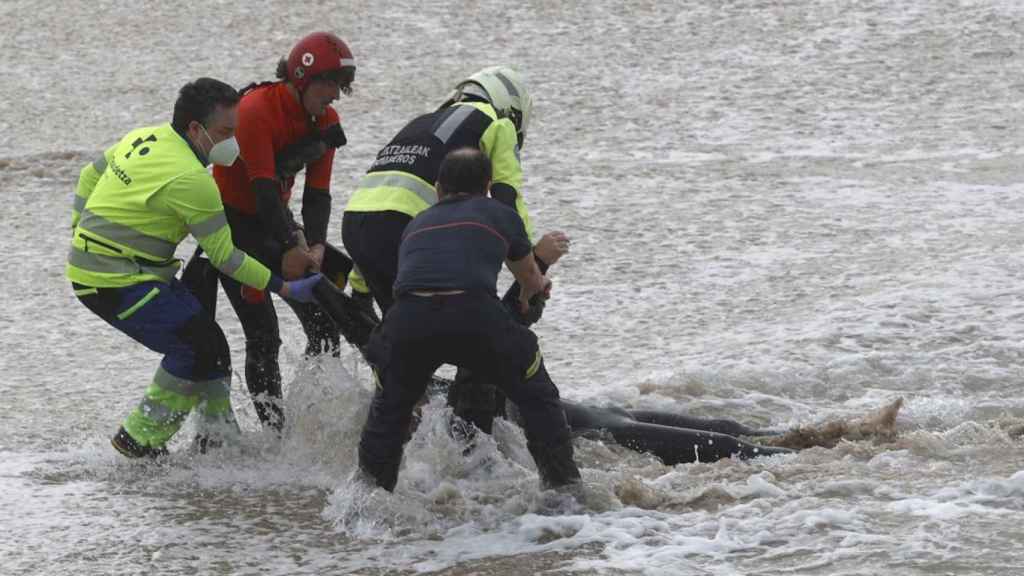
215, 388
399, 180
160, 413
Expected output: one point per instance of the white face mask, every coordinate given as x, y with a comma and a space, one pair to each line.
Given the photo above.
223, 153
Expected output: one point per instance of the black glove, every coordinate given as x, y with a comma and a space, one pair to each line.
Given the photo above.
295, 156
334, 136
532, 315
353, 322
536, 310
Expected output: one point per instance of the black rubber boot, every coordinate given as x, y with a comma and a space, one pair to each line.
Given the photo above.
263, 379
126, 445
555, 464
473, 401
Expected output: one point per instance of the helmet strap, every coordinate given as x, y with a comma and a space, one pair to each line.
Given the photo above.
301, 93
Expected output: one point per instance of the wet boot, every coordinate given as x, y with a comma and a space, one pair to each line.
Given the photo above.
473, 401
555, 464
376, 470
263, 379
269, 410
126, 445
473, 406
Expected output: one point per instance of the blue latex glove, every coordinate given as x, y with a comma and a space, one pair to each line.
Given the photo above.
302, 290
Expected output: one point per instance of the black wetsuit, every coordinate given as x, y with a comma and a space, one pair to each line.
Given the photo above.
277, 138
669, 436
674, 438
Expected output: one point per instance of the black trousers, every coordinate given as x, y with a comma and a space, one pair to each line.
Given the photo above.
263, 342
259, 321
372, 240
418, 335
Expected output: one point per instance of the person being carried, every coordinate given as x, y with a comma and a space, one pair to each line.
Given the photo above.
283, 127
133, 206
447, 312
673, 437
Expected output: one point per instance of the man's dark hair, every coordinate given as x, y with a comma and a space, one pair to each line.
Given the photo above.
198, 100
464, 171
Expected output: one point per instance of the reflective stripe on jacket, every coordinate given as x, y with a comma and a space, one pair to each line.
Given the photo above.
153, 191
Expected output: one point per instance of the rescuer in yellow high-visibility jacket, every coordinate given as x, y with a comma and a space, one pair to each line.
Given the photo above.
489, 111
133, 206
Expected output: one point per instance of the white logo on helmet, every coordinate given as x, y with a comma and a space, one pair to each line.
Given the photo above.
307, 59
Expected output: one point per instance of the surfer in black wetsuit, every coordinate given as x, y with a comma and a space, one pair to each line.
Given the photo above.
673, 438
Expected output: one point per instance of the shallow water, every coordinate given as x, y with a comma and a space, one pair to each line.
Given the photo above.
783, 213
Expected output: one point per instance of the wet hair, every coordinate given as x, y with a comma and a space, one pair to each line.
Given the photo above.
282, 69
198, 101
464, 171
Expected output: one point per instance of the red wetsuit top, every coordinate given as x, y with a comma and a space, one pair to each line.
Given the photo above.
269, 119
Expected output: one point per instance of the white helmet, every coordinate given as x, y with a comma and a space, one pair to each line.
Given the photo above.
504, 89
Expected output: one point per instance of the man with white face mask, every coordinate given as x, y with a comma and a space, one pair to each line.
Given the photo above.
133, 206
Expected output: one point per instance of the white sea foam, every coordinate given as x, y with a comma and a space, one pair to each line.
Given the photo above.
783, 213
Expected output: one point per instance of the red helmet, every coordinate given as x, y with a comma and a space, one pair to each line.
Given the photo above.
318, 54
